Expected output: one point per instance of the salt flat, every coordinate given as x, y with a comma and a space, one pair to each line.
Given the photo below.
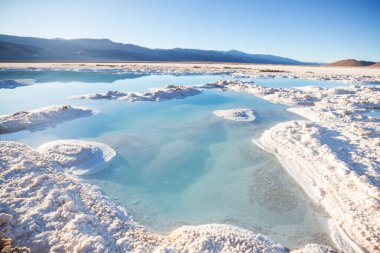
359, 74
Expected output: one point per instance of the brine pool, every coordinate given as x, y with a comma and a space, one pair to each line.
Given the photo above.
176, 162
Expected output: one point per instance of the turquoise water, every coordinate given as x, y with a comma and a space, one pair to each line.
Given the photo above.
177, 163
373, 113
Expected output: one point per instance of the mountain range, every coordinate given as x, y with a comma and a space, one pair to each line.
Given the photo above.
15, 48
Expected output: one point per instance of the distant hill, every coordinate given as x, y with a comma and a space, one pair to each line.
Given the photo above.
376, 65
351, 63
14, 48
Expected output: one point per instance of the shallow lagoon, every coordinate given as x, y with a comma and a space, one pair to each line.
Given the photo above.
177, 163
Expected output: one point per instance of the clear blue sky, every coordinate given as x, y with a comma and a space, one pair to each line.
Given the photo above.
309, 30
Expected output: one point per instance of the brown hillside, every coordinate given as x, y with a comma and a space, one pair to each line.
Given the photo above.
351, 63
376, 65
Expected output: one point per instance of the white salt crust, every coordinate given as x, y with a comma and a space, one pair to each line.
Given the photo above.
41, 118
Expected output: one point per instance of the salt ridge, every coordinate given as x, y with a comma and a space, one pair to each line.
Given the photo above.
335, 158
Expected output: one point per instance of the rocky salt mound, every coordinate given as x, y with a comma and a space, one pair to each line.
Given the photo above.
15, 83
49, 210
154, 95
80, 157
240, 115
42, 118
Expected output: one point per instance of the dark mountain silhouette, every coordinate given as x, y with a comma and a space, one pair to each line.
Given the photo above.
15, 48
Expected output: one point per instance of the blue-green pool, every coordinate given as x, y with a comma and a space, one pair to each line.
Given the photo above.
177, 163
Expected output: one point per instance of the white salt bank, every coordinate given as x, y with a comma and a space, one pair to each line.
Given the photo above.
241, 114
335, 158
42, 117
81, 157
